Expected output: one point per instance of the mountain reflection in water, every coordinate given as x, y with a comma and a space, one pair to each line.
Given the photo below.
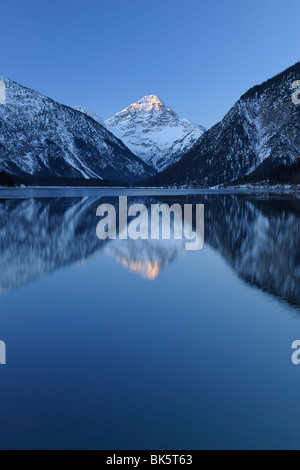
257, 236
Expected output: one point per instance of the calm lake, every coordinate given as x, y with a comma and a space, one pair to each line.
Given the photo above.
123, 344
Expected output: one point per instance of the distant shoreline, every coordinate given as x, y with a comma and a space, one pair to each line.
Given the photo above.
78, 191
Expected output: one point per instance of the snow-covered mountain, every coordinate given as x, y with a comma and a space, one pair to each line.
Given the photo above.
259, 139
154, 132
41, 137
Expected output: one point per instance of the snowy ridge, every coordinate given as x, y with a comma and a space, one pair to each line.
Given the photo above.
259, 240
89, 113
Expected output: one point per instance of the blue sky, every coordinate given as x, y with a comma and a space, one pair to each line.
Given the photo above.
198, 56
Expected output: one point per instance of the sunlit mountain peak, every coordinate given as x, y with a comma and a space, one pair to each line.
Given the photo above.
148, 103
147, 269
154, 132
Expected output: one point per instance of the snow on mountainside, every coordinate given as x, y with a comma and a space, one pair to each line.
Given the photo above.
41, 137
154, 132
259, 139
89, 113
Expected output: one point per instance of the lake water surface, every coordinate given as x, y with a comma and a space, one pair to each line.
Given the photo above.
140, 344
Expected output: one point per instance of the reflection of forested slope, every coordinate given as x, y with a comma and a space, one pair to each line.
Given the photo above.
260, 240
38, 236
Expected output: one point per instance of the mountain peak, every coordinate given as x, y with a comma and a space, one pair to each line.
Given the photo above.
154, 132
148, 103
153, 100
